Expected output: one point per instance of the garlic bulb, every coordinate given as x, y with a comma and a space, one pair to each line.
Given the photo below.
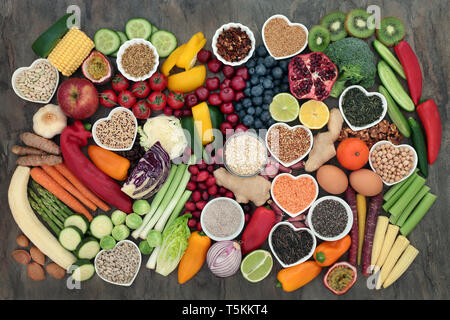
49, 121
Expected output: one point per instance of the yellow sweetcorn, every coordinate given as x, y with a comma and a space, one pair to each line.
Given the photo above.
401, 266
202, 121
187, 81
70, 52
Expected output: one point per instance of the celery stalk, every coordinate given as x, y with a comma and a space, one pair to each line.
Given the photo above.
410, 207
417, 215
392, 200
180, 205
407, 196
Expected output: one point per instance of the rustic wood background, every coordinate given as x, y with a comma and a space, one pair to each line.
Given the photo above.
427, 23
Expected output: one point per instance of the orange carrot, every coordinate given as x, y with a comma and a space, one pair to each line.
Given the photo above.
41, 177
62, 168
59, 178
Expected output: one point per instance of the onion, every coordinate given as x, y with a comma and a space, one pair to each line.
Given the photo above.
224, 258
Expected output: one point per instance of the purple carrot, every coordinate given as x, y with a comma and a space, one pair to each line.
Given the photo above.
371, 223
350, 197
300, 217
298, 224
298, 166
279, 214
284, 169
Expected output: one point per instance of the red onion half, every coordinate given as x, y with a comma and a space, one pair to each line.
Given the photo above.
224, 258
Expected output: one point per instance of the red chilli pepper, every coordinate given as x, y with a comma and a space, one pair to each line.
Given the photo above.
73, 138
429, 115
412, 70
257, 229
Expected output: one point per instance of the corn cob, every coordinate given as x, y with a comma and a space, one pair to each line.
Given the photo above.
401, 266
71, 51
400, 244
380, 233
388, 241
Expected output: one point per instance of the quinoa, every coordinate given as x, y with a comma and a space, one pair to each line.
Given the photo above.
222, 218
245, 154
282, 39
118, 132
288, 144
138, 60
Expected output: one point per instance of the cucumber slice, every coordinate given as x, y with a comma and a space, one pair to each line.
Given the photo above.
77, 220
101, 226
120, 232
154, 28
138, 28
107, 243
164, 41
45, 43
106, 41
83, 270
123, 37
70, 237
88, 248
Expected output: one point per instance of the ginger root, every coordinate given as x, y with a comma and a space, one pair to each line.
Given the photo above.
255, 189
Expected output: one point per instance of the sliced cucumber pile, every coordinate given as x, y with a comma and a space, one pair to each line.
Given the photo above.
106, 41
138, 28
164, 41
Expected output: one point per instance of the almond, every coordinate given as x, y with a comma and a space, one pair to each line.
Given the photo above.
35, 271
21, 256
55, 271
37, 255
22, 241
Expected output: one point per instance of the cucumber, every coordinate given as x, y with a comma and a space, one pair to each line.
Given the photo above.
77, 220
107, 243
138, 28
391, 83
101, 226
70, 237
88, 248
418, 140
389, 57
106, 41
164, 41
395, 114
154, 28
45, 43
82, 270
123, 39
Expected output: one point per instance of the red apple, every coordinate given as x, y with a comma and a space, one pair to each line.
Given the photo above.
78, 98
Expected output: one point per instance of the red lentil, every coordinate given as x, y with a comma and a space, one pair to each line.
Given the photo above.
294, 195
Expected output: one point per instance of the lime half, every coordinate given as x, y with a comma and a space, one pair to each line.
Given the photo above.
284, 107
257, 265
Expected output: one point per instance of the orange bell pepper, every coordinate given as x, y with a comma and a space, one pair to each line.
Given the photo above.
109, 162
329, 252
295, 277
172, 60
187, 81
189, 56
194, 257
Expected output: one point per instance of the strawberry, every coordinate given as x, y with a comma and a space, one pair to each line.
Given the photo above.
175, 100
140, 89
157, 100
108, 98
141, 109
127, 99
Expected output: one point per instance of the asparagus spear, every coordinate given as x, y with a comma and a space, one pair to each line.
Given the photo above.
51, 198
43, 207
49, 221
57, 213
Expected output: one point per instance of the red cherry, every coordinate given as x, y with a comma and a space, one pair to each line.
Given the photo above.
238, 83
228, 71
242, 72
203, 56
226, 107
212, 83
214, 99
214, 65
202, 93
227, 94
224, 126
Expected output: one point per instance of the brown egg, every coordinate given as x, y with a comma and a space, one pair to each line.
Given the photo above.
366, 182
332, 179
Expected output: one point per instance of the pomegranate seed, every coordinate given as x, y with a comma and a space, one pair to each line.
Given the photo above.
202, 176
202, 186
222, 190
193, 170
229, 194
210, 181
200, 205
204, 55
199, 226
205, 195
247, 218
192, 223
191, 186
196, 196
212, 190
196, 214
210, 168
202, 165
190, 206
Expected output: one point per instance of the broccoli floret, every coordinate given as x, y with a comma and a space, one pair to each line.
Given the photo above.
355, 62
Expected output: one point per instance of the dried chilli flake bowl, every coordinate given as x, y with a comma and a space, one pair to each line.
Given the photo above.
290, 24
113, 111
226, 27
347, 228
232, 236
399, 146
368, 94
135, 274
290, 225
311, 137
128, 44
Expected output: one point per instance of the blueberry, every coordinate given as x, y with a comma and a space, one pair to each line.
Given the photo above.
261, 80
257, 91
254, 80
284, 87
261, 51
277, 72
250, 63
247, 91
267, 83
269, 61
269, 76
257, 101
247, 102
276, 90
266, 106
271, 122
284, 65
260, 61
267, 98
238, 106
242, 113
285, 79
250, 110
269, 92
258, 124
276, 82
260, 69
265, 116
258, 111
248, 120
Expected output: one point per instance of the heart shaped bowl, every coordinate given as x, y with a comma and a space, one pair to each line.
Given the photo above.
22, 69
349, 218
290, 225
383, 114
288, 164
399, 146
226, 27
294, 214
113, 111
128, 44
290, 24
118, 283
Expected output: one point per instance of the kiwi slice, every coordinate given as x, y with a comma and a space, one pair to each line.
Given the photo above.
318, 38
356, 24
391, 32
334, 22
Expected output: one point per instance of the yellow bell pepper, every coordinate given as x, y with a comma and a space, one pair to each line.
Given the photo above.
187, 81
203, 124
172, 60
189, 56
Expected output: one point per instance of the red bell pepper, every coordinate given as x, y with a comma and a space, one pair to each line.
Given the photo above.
257, 229
73, 138
429, 115
412, 70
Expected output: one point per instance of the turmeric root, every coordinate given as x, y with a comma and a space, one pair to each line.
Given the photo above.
255, 189
35, 141
38, 160
25, 151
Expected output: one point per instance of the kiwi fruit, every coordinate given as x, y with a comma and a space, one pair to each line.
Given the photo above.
334, 22
356, 24
318, 38
391, 31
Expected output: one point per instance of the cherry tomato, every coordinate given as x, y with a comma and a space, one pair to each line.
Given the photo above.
141, 109
127, 99
140, 89
108, 98
120, 83
157, 100
175, 100
158, 81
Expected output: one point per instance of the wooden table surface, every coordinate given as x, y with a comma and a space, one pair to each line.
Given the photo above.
427, 24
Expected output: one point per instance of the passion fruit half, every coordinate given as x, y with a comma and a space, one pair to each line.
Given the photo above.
97, 68
340, 277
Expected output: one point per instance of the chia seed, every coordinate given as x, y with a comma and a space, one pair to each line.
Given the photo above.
329, 218
289, 245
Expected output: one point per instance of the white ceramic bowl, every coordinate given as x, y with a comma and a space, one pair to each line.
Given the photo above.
291, 24
401, 145
20, 70
122, 49
349, 218
226, 27
294, 214
311, 137
383, 114
230, 237
137, 271
290, 225
113, 111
